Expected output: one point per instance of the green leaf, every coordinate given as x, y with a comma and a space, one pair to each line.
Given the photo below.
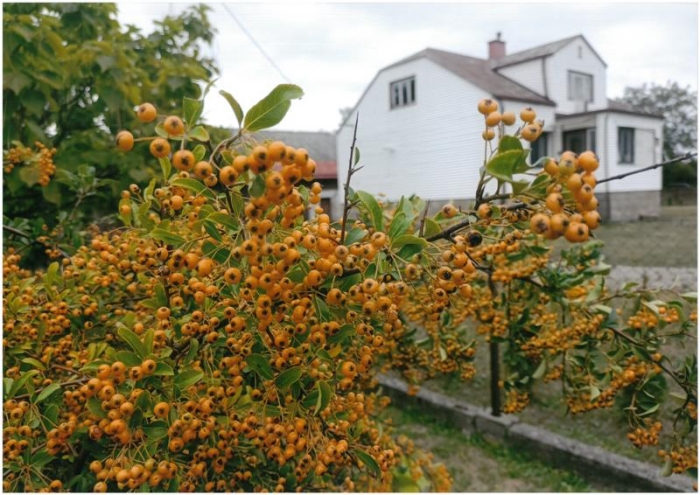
191, 110
167, 237
357, 155
191, 352
195, 186
149, 336
52, 274
354, 235
508, 143
519, 186
404, 483
199, 151
237, 110
407, 239
288, 377
224, 219
324, 396
257, 189
163, 369
259, 364
94, 405
372, 207
199, 133
431, 228
35, 363
155, 431
165, 167
271, 110
19, 384
133, 340
399, 225
368, 461
538, 186
47, 392
41, 459
539, 372
503, 165
187, 378
128, 358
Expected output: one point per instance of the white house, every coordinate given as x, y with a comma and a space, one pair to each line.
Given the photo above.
419, 130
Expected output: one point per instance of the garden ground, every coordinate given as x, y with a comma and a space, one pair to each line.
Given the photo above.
477, 465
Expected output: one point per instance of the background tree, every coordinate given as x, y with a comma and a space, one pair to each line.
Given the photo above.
72, 77
679, 107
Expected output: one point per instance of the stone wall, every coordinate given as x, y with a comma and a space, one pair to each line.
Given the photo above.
626, 206
621, 473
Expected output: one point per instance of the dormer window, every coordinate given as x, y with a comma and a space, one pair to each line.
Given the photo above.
402, 92
580, 86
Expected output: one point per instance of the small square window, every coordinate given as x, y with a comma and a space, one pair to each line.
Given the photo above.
402, 93
625, 145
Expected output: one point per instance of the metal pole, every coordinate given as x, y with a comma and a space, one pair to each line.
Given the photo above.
495, 378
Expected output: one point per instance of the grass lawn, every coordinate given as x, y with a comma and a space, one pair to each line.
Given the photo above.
606, 428
670, 240
476, 465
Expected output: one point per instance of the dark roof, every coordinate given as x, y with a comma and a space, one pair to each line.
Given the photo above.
541, 51
480, 73
320, 145
614, 106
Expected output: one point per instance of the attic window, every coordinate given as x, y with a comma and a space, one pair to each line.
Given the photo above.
580, 86
402, 92
580, 52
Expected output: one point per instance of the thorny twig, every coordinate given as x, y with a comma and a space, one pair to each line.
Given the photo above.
687, 156
351, 170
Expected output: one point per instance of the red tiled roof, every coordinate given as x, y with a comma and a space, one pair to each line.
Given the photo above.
326, 170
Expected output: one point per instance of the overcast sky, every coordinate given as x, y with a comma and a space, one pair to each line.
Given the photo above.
333, 50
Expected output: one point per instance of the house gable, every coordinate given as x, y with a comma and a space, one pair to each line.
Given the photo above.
576, 63
475, 71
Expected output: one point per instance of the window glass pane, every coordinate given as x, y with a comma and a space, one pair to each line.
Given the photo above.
413, 90
405, 93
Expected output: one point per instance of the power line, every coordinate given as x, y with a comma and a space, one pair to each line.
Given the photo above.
250, 36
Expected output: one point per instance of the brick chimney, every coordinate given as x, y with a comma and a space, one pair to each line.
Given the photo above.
497, 48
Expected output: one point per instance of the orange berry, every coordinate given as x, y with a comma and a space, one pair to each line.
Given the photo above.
146, 113
588, 161
125, 141
540, 223
161, 409
493, 119
183, 160
486, 106
528, 115
159, 148
228, 175
508, 118
173, 125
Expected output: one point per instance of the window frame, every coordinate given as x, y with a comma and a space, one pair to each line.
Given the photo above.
588, 135
621, 156
541, 142
574, 73
405, 91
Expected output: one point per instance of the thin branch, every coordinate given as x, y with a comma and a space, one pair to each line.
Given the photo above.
423, 217
688, 390
18, 232
494, 197
351, 170
687, 156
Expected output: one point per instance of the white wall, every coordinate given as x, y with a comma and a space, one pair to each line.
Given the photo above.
432, 148
557, 67
529, 74
648, 145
